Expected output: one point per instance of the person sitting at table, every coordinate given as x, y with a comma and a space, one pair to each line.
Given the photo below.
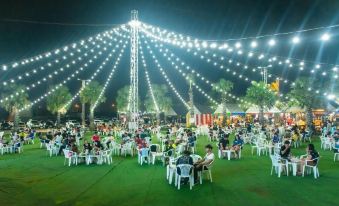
285, 151
223, 142
74, 148
87, 147
95, 137
276, 138
310, 158
237, 144
201, 164
184, 159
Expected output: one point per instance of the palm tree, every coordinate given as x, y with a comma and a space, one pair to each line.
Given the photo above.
307, 98
164, 102
122, 99
260, 94
222, 87
16, 100
190, 80
89, 95
57, 100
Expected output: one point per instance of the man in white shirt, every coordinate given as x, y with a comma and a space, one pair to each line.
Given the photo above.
201, 164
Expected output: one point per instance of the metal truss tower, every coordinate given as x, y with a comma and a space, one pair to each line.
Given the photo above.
134, 101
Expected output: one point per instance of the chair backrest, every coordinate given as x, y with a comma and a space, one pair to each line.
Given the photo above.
195, 157
67, 153
154, 147
185, 169
144, 152
275, 160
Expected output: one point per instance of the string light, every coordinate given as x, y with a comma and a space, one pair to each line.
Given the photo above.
50, 64
109, 78
56, 52
163, 73
50, 76
169, 56
67, 80
179, 41
148, 79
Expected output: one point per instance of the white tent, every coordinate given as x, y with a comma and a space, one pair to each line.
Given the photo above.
255, 110
219, 109
170, 112
295, 109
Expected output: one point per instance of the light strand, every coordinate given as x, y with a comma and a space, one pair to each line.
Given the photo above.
67, 80
109, 78
148, 79
163, 73
58, 51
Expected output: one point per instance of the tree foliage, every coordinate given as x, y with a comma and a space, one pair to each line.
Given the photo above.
16, 98
91, 93
122, 99
58, 99
161, 94
260, 94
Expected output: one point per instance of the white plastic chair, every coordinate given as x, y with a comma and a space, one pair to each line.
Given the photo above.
170, 169
51, 149
127, 148
208, 170
157, 153
336, 154
71, 157
144, 156
107, 156
277, 165
186, 171
311, 168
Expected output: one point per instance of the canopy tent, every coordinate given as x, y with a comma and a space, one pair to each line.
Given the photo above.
295, 109
170, 112
234, 109
219, 109
255, 110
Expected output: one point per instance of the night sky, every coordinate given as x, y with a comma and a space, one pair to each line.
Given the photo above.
202, 19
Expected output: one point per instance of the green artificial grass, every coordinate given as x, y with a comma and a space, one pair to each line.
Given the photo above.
33, 178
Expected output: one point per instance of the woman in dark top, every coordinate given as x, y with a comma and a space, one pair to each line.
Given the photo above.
310, 159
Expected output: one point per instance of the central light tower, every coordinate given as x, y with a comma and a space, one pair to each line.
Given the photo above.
134, 101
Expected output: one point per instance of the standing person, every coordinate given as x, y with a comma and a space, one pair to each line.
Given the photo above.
201, 164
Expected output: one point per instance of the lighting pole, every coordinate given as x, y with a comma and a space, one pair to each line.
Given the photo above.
133, 107
83, 108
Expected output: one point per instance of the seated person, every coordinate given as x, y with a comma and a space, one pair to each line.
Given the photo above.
184, 159
74, 148
285, 151
87, 147
310, 158
95, 137
201, 164
275, 138
224, 142
190, 140
237, 145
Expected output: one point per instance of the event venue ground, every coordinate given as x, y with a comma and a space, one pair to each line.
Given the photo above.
33, 178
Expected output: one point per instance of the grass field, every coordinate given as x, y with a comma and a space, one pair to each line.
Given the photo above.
33, 178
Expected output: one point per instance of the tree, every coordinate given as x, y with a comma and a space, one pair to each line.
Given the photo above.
222, 87
307, 98
16, 100
89, 95
260, 94
163, 100
57, 100
122, 99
